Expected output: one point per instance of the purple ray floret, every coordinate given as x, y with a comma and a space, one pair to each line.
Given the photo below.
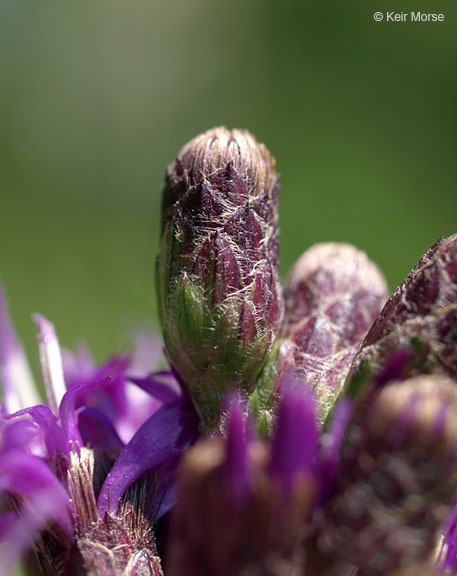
48, 454
161, 439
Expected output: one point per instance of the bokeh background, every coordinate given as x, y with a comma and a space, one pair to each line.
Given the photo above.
97, 97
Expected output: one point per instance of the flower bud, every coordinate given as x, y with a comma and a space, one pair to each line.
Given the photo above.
397, 478
416, 332
332, 297
242, 509
218, 267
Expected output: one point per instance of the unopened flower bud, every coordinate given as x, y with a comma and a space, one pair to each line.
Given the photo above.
416, 332
332, 298
397, 478
218, 268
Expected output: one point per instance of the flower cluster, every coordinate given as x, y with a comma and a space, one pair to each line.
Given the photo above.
85, 477
304, 430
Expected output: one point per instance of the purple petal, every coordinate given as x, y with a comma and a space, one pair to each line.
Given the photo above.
16, 434
6, 523
68, 410
78, 367
51, 362
116, 398
164, 490
15, 538
448, 553
161, 439
140, 399
31, 478
147, 354
162, 385
107, 389
295, 441
338, 426
51, 433
97, 431
395, 366
15, 375
144, 396
43, 503
141, 406
236, 463
103, 388
331, 445
167, 501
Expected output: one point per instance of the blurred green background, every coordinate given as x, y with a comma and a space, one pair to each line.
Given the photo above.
97, 97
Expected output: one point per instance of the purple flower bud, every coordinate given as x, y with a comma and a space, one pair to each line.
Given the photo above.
218, 267
332, 297
397, 478
243, 508
416, 332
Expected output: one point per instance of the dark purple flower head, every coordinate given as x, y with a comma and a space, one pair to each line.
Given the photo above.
218, 268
